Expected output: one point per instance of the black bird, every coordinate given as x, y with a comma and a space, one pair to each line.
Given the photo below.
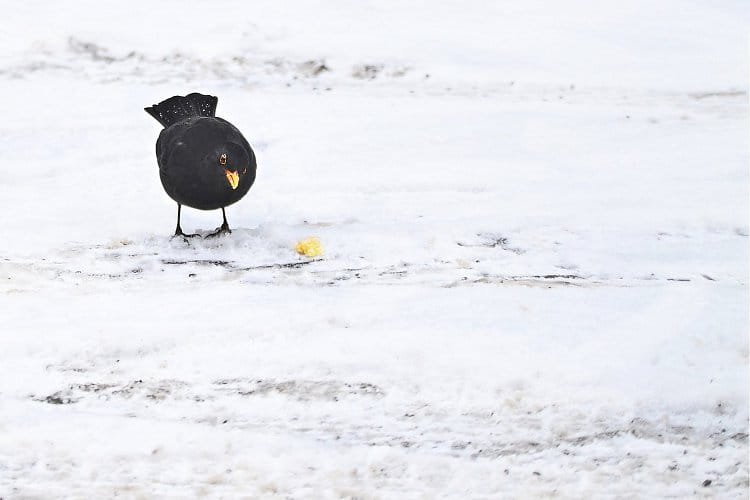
204, 161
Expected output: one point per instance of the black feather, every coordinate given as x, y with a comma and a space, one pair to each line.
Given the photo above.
179, 108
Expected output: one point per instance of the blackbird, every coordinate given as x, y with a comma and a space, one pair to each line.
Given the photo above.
204, 161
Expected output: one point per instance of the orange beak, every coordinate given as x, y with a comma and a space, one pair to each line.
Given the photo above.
233, 177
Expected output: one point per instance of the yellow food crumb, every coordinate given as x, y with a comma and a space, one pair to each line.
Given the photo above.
309, 247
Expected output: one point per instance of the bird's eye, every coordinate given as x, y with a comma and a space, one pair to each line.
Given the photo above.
223, 159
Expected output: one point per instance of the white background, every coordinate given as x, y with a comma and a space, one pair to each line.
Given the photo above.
535, 218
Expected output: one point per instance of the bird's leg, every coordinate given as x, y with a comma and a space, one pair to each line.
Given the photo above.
178, 230
225, 224
224, 229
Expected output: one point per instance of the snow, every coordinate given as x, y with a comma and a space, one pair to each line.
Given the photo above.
535, 279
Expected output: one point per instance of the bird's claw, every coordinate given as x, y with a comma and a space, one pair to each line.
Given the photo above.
184, 236
224, 229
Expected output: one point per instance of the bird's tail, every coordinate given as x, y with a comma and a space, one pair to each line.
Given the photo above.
177, 108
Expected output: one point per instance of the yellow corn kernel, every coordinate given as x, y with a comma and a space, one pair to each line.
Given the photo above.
309, 247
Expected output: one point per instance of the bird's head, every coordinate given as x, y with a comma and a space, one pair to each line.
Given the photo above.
232, 162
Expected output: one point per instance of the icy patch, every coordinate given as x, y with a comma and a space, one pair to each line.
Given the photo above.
93, 61
356, 253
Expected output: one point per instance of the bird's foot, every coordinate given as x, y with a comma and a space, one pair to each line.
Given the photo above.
179, 233
224, 229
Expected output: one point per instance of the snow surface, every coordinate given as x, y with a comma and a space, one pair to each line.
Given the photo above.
535, 284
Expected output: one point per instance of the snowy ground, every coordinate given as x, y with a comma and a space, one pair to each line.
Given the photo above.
536, 272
